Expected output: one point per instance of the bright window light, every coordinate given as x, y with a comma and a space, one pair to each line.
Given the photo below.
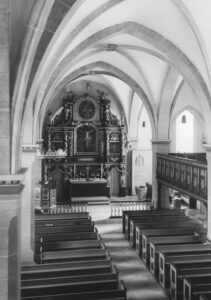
184, 132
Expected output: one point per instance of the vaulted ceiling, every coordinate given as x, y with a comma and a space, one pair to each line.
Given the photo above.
145, 49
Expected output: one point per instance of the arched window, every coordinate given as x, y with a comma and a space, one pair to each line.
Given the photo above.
184, 132
184, 119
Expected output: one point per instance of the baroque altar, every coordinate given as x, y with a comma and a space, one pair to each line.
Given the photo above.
83, 139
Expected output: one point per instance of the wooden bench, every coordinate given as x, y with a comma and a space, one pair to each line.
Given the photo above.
141, 234
112, 274
61, 222
176, 289
152, 219
71, 245
166, 252
53, 237
151, 255
161, 225
205, 296
68, 216
177, 266
100, 283
65, 272
66, 269
64, 228
128, 215
67, 246
194, 285
186, 273
75, 255
116, 293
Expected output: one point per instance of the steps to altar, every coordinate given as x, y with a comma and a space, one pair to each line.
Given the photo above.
100, 200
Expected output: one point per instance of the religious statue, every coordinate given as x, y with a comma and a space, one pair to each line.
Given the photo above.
107, 175
123, 174
107, 115
66, 112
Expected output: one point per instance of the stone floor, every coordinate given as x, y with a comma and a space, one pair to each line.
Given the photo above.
139, 281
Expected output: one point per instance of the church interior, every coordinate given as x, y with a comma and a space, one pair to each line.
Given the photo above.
105, 147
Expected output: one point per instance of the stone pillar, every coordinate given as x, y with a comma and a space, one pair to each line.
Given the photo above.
27, 206
208, 151
10, 194
4, 88
158, 146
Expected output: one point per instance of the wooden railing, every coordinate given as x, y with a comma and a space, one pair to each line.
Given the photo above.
117, 207
182, 174
200, 156
65, 209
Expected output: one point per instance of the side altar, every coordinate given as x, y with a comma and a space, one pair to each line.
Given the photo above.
83, 140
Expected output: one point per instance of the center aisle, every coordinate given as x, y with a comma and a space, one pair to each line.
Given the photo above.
140, 283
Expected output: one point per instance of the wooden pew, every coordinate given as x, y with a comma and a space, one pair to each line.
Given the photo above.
67, 245
141, 234
113, 274
102, 267
178, 265
205, 296
162, 225
99, 283
176, 288
66, 269
116, 293
152, 219
166, 252
53, 237
45, 217
64, 228
128, 215
193, 285
72, 245
75, 255
62, 222
151, 255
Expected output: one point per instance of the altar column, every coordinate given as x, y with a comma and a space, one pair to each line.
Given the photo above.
158, 146
107, 145
208, 151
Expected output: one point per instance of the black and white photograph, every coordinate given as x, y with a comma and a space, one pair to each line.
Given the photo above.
105, 149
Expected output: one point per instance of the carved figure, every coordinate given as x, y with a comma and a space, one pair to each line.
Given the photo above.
57, 117
107, 175
123, 173
107, 115
66, 113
